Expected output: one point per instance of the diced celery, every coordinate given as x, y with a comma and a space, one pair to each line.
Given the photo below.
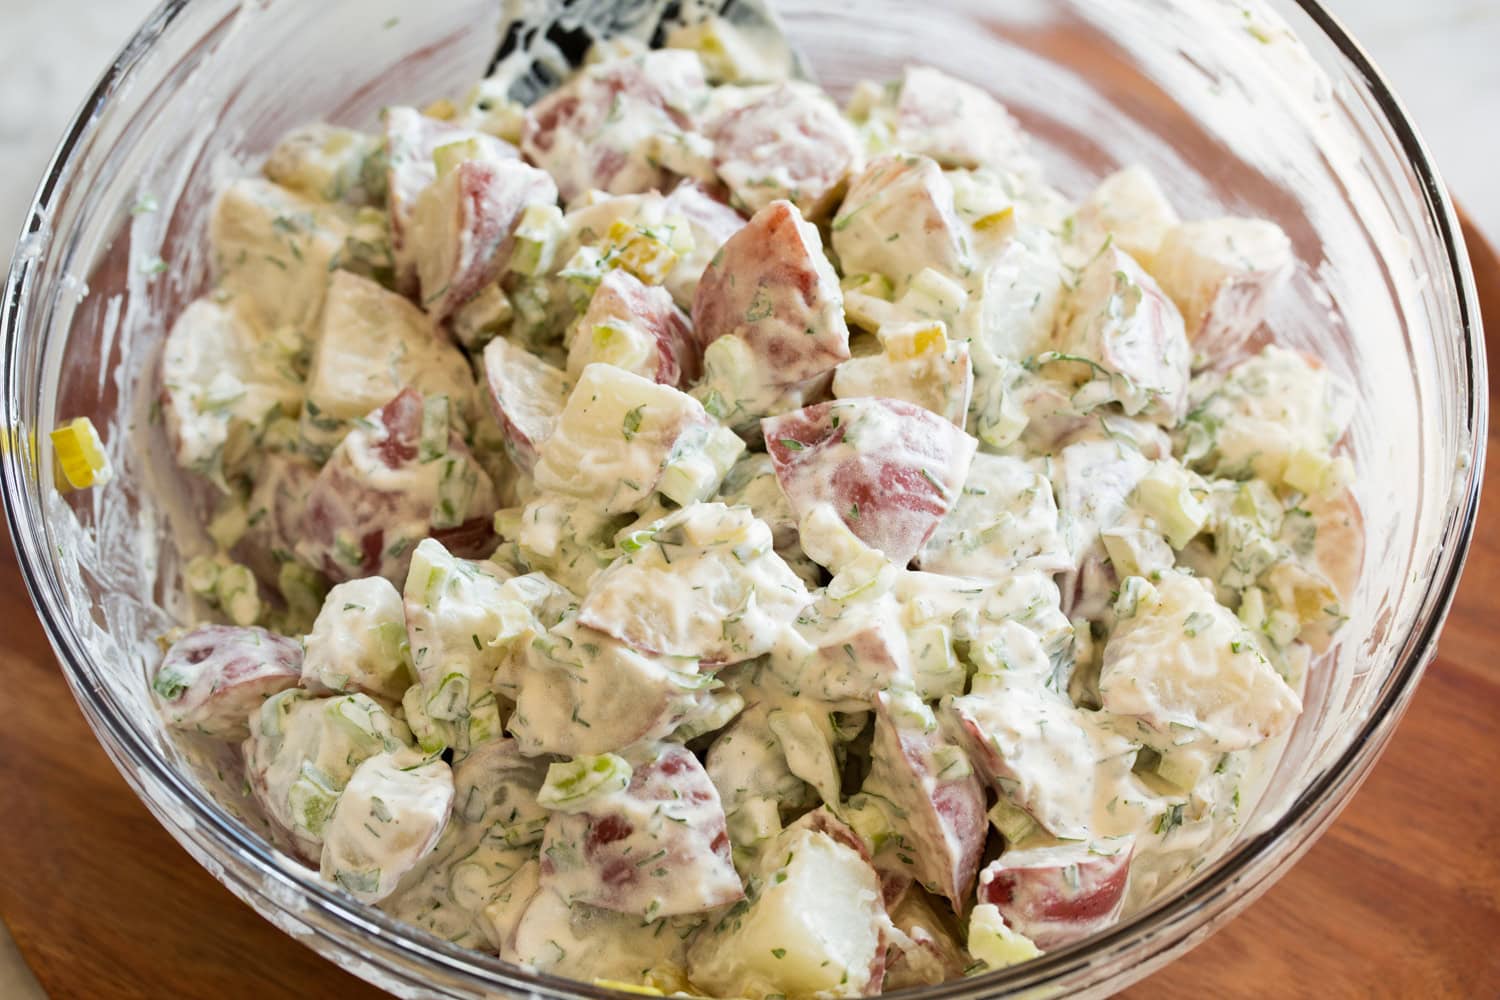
876, 286
449, 156
995, 944
1252, 611
581, 273
935, 668
699, 464
482, 318
1166, 493
1184, 768
303, 590
238, 594
1282, 626
430, 736
1136, 551
433, 444
934, 295
538, 236
201, 576
311, 799
229, 524
571, 786
756, 820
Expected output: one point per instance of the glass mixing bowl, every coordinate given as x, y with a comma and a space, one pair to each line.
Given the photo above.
1273, 112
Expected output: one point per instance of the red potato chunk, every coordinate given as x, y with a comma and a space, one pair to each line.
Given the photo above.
954, 122
636, 327
1124, 342
891, 470
899, 218
771, 285
380, 494
931, 952
940, 810
1057, 895
584, 692
712, 223
859, 652
215, 676
601, 130
621, 438
703, 582
920, 365
791, 143
659, 848
463, 228
526, 396
772, 298
274, 512
410, 139
1223, 274
817, 928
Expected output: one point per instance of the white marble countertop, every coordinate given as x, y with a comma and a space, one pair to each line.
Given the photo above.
1440, 56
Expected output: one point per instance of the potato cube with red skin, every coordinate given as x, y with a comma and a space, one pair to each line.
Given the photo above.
939, 802
1005, 520
600, 129
930, 952
891, 470
1130, 210
377, 497
897, 219
463, 228
1223, 274
1186, 668
919, 365
817, 926
215, 676
788, 143
1058, 895
954, 122
658, 848
223, 380
585, 692
371, 344
1124, 341
1093, 481
702, 582
275, 511
771, 286
272, 251
636, 327
387, 819
854, 651
547, 933
1031, 745
410, 140
712, 223
526, 396
621, 438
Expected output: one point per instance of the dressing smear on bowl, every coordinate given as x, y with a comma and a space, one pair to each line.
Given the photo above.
688, 534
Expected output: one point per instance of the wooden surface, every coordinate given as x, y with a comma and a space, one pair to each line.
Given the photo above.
1400, 899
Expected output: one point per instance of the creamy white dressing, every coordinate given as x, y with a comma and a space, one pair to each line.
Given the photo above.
673, 578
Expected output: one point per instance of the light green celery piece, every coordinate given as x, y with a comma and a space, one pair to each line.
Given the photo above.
572, 785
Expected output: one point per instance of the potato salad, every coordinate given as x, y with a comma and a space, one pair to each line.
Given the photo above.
695, 536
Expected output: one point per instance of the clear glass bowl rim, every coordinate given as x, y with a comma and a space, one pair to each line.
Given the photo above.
1156, 933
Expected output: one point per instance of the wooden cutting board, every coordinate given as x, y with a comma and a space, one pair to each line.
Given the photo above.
1400, 899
